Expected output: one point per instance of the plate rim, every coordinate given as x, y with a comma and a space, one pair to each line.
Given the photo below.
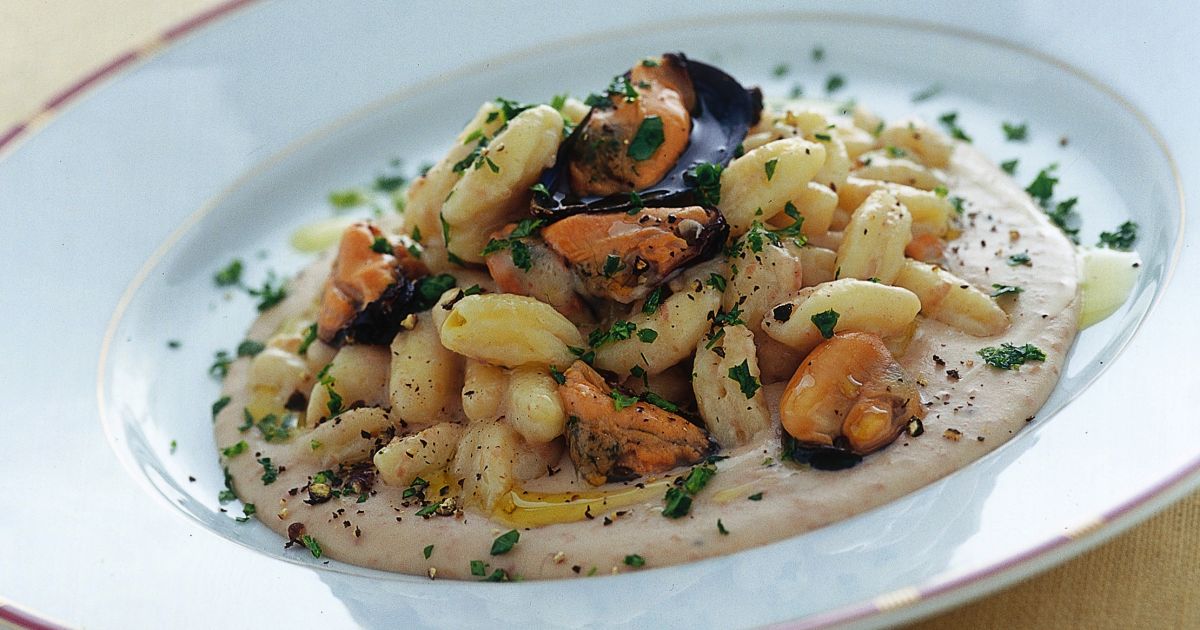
910, 603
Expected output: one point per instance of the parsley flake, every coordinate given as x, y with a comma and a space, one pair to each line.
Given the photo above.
1122, 239
621, 401
705, 179
746, 380
825, 322
236, 449
949, 120
647, 335
230, 275
1010, 166
1005, 289
1015, 132
634, 560
220, 404
428, 551
313, 546
1020, 258
653, 301
1009, 357
769, 167
834, 83
647, 139
1042, 186
504, 543
270, 471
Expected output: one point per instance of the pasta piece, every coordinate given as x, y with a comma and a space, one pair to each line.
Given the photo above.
898, 170
731, 411
763, 279
819, 264
426, 378
875, 238
574, 110
861, 306
484, 388
494, 190
358, 376
510, 331
753, 191
679, 322
951, 300
427, 193
930, 212
816, 204
817, 127
427, 451
276, 375
534, 408
349, 438
931, 146
492, 457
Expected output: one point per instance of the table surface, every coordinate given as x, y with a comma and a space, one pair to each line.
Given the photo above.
1146, 577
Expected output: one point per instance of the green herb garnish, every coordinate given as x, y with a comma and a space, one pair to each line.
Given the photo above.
825, 322
1005, 289
769, 167
1122, 239
270, 472
504, 543
1015, 132
634, 560
745, 380
1009, 357
648, 138
236, 449
230, 275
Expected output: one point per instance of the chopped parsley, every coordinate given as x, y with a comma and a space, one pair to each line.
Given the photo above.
659, 401
647, 335
381, 245
520, 252
746, 380
478, 568
540, 189
174, 445
818, 53
895, 151
949, 120
1009, 357
504, 543
173, 344
679, 496
1042, 186
621, 401
270, 471
648, 138
431, 288
941, 191
1005, 289
1122, 239
825, 322
311, 543
557, 376
757, 496
769, 167
780, 70
619, 331
1015, 132
220, 364
927, 93
716, 281
248, 510
721, 528
612, 264
634, 560
227, 495
220, 404
249, 348
834, 83
1063, 215
230, 275
335, 399
428, 551
270, 293
653, 301
1010, 166
310, 335
1020, 258
705, 179
236, 449
823, 137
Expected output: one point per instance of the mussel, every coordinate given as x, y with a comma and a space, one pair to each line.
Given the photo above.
641, 138
373, 286
622, 256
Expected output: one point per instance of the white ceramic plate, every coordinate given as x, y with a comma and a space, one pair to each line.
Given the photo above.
222, 144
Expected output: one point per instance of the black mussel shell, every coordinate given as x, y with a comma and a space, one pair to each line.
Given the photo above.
379, 321
724, 112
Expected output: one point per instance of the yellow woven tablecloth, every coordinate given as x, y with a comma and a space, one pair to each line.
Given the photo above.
1148, 577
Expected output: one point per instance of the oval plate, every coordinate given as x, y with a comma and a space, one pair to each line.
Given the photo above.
226, 141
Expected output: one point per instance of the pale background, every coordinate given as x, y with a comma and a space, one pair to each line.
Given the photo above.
1148, 577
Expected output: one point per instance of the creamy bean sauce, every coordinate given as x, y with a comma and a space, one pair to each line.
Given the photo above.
984, 405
